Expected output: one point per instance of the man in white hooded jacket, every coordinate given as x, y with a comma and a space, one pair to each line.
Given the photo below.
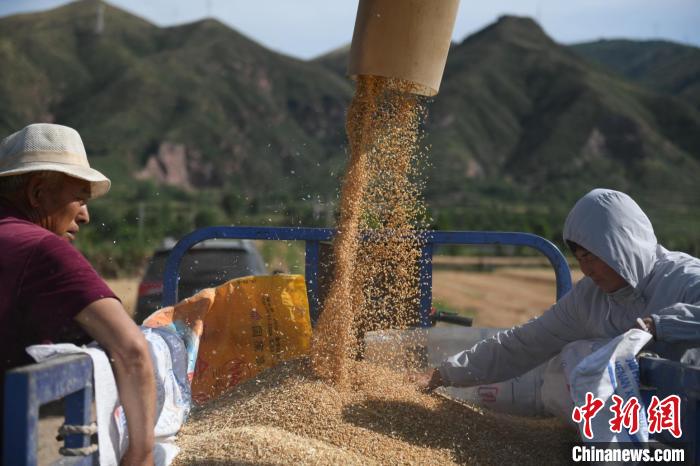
628, 276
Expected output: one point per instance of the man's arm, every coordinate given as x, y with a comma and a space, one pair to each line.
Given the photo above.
679, 323
515, 351
107, 322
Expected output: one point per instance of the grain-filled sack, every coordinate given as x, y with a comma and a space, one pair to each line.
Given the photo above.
239, 328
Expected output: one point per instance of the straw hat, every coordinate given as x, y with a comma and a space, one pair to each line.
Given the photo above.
49, 147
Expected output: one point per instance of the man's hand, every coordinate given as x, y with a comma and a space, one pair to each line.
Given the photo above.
647, 324
427, 381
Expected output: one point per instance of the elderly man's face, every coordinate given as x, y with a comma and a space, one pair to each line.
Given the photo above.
62, 206
601, 273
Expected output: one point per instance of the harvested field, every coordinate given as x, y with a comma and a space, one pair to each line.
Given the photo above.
502, 298
126, 289
288, 416
47, 445
494, 261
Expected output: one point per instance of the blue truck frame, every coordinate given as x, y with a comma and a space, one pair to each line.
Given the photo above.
29, 387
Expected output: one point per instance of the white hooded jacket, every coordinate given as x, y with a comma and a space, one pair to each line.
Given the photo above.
662, 284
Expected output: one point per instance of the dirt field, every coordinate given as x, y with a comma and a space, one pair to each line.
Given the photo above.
126, 289
516, 290
501, 298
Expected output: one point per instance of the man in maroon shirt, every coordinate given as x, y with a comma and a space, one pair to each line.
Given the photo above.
48, 290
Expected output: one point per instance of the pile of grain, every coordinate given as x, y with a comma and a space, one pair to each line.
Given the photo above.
288, 416
376, 250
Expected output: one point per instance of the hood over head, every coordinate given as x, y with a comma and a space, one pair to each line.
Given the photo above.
612, 226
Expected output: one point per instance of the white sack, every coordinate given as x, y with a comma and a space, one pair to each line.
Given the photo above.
173, 399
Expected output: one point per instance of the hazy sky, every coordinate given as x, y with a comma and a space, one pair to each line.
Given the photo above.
307, 28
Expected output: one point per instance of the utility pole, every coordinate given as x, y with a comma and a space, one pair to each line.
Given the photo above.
141, 219
100, 20
330, 211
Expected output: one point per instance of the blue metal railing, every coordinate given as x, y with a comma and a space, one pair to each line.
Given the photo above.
29, 387
662, 377
314, 236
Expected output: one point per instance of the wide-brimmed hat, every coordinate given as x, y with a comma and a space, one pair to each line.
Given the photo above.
49, 147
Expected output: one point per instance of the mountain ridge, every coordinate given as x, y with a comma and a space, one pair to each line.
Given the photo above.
521, 124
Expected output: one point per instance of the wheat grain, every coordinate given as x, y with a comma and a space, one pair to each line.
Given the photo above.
289, 416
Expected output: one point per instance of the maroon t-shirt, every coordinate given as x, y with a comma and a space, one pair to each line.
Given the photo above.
44, 283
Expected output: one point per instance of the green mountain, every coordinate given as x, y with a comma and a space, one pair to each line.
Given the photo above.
516, 104
660, 65
335, 60
199, 125
523, 121
246, 116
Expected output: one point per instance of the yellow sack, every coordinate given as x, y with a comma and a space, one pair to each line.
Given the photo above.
242, 327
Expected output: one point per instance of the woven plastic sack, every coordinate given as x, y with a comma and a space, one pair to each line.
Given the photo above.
234, 331
605, 370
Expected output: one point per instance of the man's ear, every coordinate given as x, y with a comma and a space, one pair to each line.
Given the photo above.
35, 190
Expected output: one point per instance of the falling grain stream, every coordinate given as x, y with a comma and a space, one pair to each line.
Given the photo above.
376, 250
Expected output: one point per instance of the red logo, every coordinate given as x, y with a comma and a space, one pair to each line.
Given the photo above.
662, 414
665, 415
233, 371
626, 415
488, 394
587, 412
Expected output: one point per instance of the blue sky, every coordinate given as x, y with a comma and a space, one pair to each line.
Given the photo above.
307, 28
